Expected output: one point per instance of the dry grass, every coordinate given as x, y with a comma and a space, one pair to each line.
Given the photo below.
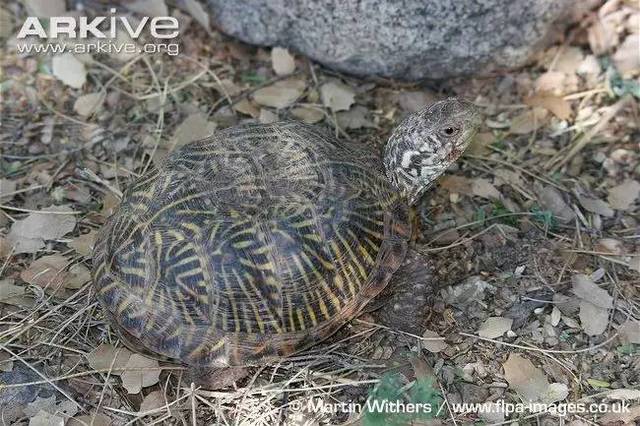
492, 222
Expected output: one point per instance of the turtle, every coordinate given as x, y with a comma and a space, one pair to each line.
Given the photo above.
263, 240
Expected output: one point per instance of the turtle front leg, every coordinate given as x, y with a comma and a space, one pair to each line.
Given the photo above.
404, 304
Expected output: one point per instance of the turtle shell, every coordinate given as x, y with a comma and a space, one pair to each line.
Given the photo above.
250, 245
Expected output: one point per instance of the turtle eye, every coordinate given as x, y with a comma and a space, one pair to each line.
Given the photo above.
449, 131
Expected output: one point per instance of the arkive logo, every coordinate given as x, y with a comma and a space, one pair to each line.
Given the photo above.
161, 27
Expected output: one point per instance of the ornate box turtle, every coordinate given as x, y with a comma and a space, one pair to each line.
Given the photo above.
264, 239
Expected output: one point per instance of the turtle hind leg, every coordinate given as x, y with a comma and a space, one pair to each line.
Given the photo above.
404, 304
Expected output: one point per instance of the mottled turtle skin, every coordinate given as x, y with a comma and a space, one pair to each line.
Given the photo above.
253, 244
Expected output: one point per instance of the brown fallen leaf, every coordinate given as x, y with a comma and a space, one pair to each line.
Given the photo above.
193, 127
11, 293
83, 245
433, 346
197, 11
584, 287
134, 381
28, 235
108, 356
68, 69
149, 7
152, 401
90, 420
282, 61
309, 115
48, 272
7, 187
627, 56
280, 94
45, 8
337, 96
525, 378
355, 118
528, 121
609, 245
623, 196
88, 104
246, 107
109, 204
594, 319
553, 103
494, 327
595, 205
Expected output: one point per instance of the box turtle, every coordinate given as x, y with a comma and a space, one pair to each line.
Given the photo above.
264, 239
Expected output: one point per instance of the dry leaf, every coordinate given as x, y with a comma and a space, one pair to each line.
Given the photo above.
337, 96
624, 394
554, 82
7, 187
86, 105
267, 117
309, 115
524, 378
83, 245
6, 23
433, 346
555, 104
623, 196
630, 332
150, 8
47, 272
68, 69
134, 381
596, 206
626, 418
555, 392
415, 101
609, 245
594, 319
196, 10
246, 107
556, 315
10, 293
194, 127
568, 60
102, 358
78, 275
602, 36
355, 118
627, 56
28, 235
152, 401
528, 121
280, 94
45, 8
551, 199
46, 419
494, 327
91, 420
282, 61
586, 289
485, 189
6, 364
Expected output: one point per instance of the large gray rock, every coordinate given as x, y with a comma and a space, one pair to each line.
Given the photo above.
405, 39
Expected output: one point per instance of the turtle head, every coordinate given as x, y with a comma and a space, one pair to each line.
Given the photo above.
427, 142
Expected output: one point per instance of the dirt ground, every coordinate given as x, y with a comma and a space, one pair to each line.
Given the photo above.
533, 238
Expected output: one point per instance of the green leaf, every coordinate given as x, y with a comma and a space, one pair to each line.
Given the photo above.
598, 383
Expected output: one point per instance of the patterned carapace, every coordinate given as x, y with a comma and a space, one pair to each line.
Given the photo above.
250, 245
